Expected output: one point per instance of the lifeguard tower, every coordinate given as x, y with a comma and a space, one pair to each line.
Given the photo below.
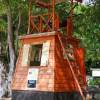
50, 65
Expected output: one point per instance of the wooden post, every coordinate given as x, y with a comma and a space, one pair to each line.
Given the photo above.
71, 14
53, 15
71, 18
69, 27
40, 24
48, 17
70, 22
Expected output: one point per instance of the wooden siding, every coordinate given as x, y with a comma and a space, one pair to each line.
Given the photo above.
45, 80
63, 77
56, 76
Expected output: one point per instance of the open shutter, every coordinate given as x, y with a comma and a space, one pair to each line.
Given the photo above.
25, 56
45, 53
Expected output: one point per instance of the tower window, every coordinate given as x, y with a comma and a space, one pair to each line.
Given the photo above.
35, 55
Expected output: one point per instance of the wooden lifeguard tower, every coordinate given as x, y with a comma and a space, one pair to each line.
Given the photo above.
50, 65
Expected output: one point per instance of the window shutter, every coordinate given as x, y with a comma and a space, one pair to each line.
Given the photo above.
45, 53
25, 56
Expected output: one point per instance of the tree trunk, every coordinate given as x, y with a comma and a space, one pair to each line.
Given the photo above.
17, 29
11, 49
3, 80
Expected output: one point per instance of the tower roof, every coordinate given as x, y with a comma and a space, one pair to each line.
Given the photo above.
48, 1
56, 1
38, 35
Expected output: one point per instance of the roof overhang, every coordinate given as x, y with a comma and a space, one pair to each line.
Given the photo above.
38, 35
56, 1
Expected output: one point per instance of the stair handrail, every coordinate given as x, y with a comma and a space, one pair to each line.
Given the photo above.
74, 76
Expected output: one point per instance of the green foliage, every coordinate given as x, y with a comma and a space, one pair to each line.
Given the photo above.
95, 81
88, 30
91, 82
63, 10
86, 23
96, 12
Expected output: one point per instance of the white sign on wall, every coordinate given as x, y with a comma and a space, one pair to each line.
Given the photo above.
33, 74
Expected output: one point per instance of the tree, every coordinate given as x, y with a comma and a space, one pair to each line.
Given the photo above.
3, 80
11, 47
87, 28
14, 18
13, 25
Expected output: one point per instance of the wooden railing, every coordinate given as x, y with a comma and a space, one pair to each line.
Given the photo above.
43, 23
